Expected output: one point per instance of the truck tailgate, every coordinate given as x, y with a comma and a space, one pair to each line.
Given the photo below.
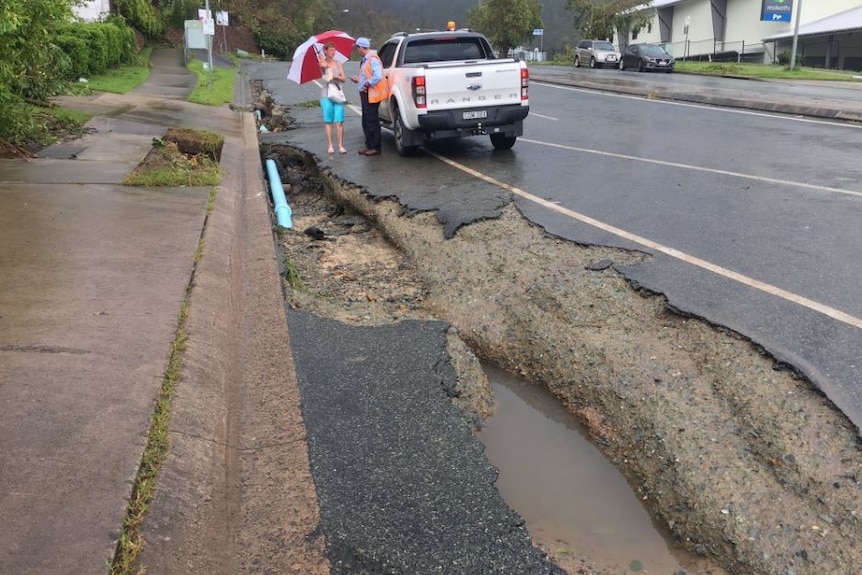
473, 84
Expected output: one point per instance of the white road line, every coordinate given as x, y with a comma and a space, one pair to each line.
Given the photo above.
695, 168
532, 113
705, 106
835, 314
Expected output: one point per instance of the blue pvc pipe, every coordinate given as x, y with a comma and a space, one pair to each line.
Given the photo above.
283, 213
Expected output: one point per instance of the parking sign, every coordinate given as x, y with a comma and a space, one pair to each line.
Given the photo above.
776, 10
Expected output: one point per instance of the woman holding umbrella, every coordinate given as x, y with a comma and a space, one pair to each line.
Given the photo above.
333, 112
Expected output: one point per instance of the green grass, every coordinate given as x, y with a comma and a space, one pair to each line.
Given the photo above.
291, 273
46, 126
155, 453
747, 70
220, 93
184, 157
764, 71
166, 166
124, 79
67, 117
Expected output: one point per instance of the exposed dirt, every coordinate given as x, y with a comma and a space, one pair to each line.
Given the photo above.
10, 150
180, 151
56, 131
740, 459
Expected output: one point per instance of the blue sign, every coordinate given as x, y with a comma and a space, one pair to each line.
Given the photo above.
776, 10
538, 32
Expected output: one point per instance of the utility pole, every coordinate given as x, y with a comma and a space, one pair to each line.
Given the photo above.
209, 38
795, 34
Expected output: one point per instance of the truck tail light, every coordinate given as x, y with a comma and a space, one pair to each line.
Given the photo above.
418, 83
525, 83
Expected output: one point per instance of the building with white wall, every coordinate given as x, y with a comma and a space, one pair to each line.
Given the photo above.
93, 10
830, 32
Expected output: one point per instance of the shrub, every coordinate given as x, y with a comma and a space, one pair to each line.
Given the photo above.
77, 51
142, 16
95, 47
565, 57
784, 58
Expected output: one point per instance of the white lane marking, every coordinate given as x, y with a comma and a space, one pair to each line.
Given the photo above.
704, 106
695, 168
835, 314
532, 113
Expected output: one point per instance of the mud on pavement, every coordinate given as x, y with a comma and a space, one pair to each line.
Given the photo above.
738, 457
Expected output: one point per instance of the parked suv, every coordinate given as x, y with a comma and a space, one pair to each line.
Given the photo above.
596, 53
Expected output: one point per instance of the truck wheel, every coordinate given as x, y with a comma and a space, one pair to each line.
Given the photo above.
502, 141
398, 129
577, 61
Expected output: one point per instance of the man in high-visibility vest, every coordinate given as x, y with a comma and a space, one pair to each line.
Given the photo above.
373, 89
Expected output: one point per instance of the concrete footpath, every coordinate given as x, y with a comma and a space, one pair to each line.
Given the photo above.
93, 278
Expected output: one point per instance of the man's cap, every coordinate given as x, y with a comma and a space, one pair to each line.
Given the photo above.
363, 43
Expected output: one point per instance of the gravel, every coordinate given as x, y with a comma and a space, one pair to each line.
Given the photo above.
735, 454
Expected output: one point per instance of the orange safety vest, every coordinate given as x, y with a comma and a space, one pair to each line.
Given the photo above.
379, 92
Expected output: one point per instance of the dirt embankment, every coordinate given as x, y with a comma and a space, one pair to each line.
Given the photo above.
738, 457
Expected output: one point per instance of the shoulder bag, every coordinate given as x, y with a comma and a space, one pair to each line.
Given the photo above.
335, 93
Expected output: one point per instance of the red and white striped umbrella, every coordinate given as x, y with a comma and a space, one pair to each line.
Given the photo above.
305, 65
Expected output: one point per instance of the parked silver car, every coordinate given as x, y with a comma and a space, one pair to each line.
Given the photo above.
596, 54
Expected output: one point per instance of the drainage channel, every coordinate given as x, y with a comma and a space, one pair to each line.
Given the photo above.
573, 500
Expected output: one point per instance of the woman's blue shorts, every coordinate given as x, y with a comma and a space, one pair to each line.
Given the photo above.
332, 112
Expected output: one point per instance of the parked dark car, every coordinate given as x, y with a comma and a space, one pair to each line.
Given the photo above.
644, 57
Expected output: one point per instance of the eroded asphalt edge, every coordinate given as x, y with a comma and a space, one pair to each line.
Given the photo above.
186, 526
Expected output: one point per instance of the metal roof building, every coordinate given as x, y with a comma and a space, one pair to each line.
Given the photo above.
830, 33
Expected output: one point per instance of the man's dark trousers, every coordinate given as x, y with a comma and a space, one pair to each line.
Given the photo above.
370, 122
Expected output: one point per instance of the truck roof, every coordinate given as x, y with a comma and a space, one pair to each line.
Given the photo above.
462, 32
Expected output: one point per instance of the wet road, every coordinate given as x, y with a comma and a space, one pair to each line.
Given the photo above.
751, 217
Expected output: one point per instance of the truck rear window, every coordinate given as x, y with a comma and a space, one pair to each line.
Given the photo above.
444, 50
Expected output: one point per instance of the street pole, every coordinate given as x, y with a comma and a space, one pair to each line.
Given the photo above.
795, 34
209, 46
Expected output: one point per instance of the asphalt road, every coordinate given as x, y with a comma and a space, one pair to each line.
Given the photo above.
403, 484
750, 215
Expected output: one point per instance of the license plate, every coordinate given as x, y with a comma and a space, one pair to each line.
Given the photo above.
475, 115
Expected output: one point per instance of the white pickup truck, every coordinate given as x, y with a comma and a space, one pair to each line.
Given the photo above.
450, 85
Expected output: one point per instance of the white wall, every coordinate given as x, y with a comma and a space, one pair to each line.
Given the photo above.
743, 25
813, 10
699, 14
93, 10
743, 22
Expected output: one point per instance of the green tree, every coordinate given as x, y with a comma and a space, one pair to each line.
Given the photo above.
279, 26
600, 19
506, 23
141, 15
31, 66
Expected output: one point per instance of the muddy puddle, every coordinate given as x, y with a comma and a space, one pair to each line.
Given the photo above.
577, 505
